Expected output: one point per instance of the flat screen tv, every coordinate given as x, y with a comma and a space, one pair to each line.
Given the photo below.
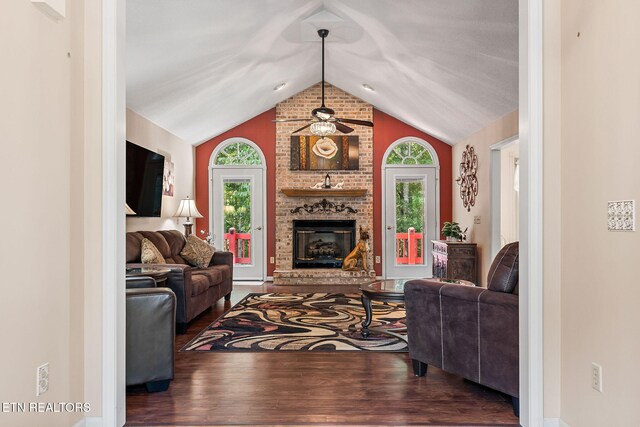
144, 180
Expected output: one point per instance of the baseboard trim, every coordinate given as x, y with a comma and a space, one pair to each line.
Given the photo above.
269, 279
554, 422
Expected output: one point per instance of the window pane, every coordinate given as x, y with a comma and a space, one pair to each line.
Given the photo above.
410, 199
237, 219
410, 153
238, 153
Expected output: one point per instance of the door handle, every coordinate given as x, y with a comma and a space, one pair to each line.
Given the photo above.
259, 228
389, 227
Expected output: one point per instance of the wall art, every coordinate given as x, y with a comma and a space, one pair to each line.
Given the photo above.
468, 181
333, 152
168, 178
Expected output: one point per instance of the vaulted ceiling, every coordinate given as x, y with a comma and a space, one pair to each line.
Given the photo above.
200, 67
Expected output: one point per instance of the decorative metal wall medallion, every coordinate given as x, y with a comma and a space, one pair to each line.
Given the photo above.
621, 215
467, 180
324, 206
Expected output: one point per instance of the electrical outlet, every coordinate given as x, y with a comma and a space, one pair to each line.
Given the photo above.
476, 219
596, 377
272, 260
378, 261
42, 379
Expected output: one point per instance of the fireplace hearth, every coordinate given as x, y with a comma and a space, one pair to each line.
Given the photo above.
322, 244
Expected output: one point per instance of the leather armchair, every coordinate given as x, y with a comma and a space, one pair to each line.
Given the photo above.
151, 314
466, 330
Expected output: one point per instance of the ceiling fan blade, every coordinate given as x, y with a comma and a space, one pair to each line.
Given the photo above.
302, 128
356, 122
343, 128
290, 120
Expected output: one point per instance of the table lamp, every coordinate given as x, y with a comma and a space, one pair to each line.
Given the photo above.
187, 209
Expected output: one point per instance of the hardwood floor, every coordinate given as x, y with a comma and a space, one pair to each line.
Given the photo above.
295, 388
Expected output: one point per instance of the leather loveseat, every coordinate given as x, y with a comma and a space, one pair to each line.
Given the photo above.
466, 330
151, 322
196, 289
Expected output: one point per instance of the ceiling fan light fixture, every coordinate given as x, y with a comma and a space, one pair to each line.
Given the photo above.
279, 86
322, 128
367, 87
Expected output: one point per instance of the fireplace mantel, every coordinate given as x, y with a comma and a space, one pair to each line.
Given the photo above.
325, 192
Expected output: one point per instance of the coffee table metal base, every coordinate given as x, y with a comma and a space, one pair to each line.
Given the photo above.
367, 296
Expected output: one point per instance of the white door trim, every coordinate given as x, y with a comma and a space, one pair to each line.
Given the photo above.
429, 176
253, 174
531, 213
263, 167
531, 131
113, 218
495, 163
436, 165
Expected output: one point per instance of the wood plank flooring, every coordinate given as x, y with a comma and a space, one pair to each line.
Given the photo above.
294, 388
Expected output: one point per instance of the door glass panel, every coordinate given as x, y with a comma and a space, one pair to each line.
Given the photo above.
410, 220
237, 218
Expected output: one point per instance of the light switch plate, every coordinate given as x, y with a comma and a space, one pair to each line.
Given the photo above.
621, 215
55, 9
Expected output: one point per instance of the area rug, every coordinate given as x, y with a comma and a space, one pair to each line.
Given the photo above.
301, 322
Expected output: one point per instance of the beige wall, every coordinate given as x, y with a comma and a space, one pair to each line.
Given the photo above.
151, 136
499, 130
600, 152
41, 310
552, 255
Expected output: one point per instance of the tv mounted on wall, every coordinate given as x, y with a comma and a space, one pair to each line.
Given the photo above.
144, 180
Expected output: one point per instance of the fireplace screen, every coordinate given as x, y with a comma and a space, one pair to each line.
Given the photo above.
322, 244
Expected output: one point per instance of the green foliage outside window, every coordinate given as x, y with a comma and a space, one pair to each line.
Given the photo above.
409, 206
237, 206
409, 153
238, 153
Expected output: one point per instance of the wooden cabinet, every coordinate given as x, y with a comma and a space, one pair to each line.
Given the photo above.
455, 260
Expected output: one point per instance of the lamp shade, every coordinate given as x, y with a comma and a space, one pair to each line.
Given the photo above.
187, 209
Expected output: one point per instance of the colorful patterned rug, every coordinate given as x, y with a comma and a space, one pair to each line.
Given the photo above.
301, 322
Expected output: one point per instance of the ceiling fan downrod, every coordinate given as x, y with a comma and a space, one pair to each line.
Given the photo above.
323, 34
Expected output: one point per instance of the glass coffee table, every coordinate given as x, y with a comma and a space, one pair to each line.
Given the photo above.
391, 290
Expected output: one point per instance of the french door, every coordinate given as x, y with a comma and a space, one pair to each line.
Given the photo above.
410, 221
237, 208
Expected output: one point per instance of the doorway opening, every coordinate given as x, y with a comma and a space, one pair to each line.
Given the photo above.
505, 193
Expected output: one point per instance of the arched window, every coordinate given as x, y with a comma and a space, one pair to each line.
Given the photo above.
409, 153
238, 153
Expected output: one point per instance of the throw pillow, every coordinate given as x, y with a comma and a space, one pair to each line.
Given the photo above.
150, 253
197, 252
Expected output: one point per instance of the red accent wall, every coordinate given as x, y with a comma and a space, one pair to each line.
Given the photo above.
386, 131
262, 131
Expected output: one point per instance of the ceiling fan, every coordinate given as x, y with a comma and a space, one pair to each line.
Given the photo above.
323, 121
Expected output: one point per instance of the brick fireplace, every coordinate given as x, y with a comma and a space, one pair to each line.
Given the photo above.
300, 106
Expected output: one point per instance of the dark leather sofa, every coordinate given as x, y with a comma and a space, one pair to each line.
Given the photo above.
151, 319
196, 289
469, 331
